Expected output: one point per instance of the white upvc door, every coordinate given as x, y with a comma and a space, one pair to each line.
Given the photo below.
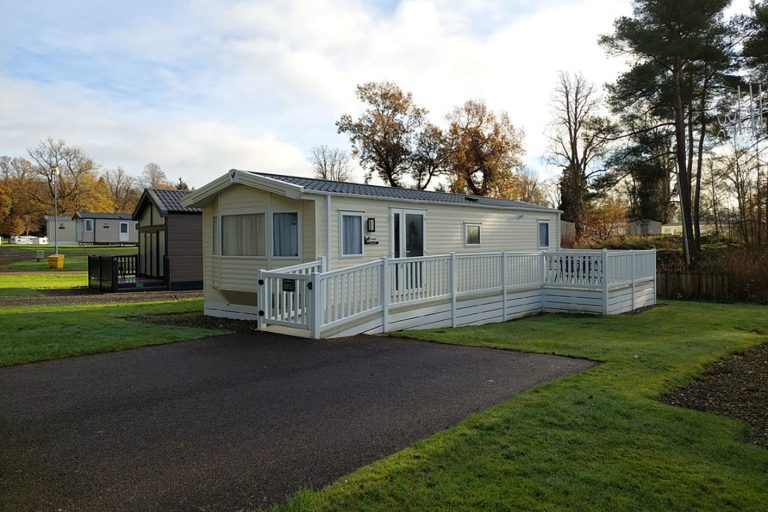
409, 240
124, 237
408, 233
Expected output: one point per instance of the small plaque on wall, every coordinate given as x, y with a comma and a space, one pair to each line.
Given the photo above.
289, 285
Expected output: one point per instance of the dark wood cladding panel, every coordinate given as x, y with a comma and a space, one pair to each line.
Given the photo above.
185, 247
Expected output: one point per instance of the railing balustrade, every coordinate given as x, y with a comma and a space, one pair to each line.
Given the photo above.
307, 297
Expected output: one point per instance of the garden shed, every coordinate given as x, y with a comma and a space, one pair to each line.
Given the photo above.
170, 241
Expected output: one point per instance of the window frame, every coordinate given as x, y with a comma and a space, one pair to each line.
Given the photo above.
539, 222
479, 227
299, 233
220, 234
351, 213
88, 225
216, 235
127, 227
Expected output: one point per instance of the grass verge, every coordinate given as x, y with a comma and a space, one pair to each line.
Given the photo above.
597, 441
70, 263
35, 333
30, 283
82, 250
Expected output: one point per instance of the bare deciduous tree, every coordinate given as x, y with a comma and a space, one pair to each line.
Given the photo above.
153, 176
330, 163
578, 141
78, 186
122, 187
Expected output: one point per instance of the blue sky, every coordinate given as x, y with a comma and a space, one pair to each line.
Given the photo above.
203, 86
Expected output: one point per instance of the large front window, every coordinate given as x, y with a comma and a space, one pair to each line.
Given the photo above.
243, 235
285, 234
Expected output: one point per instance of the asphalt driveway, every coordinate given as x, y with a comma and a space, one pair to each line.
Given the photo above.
236, 421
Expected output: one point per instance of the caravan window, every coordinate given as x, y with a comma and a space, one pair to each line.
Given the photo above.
285, 235
242, 235
351, 234
543, 234
472, 235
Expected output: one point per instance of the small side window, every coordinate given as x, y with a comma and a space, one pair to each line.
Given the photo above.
543, 234
351, 234
472, 235
88, 225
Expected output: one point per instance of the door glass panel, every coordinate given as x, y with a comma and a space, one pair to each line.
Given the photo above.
414, 235
396, 235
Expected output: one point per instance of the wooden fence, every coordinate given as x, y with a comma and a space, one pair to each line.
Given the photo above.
693, 285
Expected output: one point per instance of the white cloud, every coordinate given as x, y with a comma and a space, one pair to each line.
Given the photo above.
257, 84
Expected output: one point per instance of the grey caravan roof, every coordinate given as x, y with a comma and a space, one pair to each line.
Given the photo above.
383, 192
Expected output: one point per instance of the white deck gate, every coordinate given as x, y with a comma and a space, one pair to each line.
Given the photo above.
454, 289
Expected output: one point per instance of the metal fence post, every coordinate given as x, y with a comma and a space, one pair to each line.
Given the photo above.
454, 286
504, 286
605, 281
386, 282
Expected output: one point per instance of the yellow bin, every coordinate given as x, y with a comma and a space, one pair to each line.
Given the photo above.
56, 261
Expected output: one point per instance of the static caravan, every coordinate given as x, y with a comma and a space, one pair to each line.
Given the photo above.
105, 228
254, 220
60, 229
170, 240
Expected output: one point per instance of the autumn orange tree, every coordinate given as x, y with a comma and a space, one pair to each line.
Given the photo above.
20, 213
485, 150
384, 134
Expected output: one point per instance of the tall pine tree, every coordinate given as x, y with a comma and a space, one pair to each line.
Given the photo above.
679, 54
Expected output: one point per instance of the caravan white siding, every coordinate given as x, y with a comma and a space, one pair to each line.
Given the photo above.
500, 229
231, 282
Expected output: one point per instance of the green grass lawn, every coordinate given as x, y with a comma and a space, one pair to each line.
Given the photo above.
32, 265
31, 283
34, 333
597, 441
82, 250
75, 256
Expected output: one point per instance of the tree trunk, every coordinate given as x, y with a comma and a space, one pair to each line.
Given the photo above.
683, 178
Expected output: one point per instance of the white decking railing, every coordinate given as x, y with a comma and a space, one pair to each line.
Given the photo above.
306, 297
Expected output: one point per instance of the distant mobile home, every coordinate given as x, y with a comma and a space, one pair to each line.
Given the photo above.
254, 220
105, 228
61, 229
170, 240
